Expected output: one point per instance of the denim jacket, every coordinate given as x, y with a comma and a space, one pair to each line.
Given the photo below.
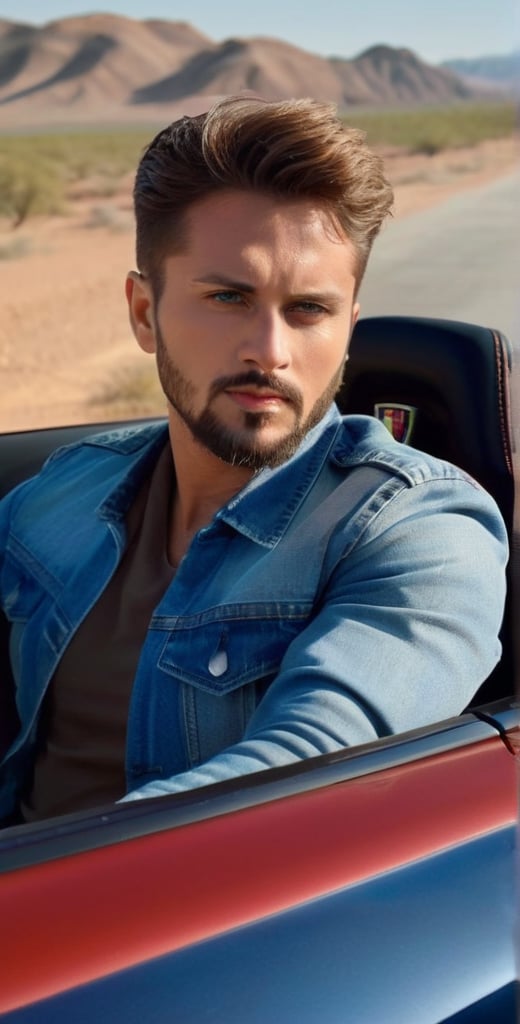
354, 591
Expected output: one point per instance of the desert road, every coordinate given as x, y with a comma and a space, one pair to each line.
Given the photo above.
459, 260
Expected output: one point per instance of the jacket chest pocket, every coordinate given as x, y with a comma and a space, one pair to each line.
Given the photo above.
228, 647
224, 659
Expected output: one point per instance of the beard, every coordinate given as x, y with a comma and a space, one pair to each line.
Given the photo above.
241, 446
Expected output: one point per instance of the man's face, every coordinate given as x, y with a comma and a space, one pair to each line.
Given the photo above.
252, 325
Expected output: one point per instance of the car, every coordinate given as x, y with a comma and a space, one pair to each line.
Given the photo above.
374, 885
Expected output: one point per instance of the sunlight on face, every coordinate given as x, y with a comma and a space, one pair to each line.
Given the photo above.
252, 326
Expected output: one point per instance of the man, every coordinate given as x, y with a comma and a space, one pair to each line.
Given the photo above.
263, 581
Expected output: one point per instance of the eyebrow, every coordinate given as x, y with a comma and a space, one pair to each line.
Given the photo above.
225, 282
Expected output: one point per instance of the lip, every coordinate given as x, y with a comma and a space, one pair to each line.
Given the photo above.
254, 400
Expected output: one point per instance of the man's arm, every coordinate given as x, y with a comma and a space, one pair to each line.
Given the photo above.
407, 631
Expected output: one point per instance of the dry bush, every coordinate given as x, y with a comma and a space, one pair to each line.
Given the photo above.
133, 392
27, 188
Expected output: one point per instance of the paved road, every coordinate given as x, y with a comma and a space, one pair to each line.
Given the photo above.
459, 260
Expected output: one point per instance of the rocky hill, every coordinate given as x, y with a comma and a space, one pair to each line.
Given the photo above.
107, 68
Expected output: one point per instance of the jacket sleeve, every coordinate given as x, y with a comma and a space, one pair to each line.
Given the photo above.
405, 633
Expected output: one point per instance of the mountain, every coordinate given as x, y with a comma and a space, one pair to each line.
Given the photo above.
103, 68
85, 65
269, 67
501, 71
278, 70
400, 74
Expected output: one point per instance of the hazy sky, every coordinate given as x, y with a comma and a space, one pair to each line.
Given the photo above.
435, 29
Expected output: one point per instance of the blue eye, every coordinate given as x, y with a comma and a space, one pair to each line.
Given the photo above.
227, 297
310, 308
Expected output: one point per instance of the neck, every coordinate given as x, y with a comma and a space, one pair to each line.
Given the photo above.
204, 484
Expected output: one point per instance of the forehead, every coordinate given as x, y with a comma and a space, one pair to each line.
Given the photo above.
247, 227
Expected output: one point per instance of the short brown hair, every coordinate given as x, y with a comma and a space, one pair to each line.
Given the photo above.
289, 149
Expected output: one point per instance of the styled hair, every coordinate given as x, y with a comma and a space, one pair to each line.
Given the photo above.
288, 150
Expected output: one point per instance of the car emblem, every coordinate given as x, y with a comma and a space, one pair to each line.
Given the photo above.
398, 419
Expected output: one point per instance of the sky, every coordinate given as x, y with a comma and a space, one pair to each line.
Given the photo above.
436, 30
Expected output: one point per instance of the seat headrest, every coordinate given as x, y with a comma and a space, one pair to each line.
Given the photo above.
456, 377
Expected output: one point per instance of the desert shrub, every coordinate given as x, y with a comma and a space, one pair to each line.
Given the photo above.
81, 154
427, 147
133, 391
36, 171
28, 187
432, 129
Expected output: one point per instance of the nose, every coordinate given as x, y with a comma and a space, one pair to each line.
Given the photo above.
267, 342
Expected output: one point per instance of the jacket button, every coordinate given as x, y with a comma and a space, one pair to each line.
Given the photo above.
218, 663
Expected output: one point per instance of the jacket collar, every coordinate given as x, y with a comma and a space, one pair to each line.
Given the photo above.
142, 445
261, 511
265, 507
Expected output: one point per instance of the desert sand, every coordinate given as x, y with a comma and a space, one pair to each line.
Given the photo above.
66, 351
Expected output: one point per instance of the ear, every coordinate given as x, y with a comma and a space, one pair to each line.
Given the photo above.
355, 316
354, 319
140, 309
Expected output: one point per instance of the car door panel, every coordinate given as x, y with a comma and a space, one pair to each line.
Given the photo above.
342, 825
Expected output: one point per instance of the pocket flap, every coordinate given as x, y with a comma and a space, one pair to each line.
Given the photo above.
229, 647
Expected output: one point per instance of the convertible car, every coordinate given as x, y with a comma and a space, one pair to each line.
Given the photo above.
372, 886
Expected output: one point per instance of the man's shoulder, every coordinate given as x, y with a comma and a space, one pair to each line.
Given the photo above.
125, 441
109, 451
92, 467
364, 440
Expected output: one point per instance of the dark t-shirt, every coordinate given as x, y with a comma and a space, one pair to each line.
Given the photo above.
81, 757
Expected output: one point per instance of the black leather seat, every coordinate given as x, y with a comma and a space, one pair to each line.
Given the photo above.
457, 377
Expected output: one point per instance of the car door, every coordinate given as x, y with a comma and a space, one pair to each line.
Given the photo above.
370, 885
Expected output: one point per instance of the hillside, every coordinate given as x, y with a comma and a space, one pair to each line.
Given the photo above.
86, 67
105, 68
501, 71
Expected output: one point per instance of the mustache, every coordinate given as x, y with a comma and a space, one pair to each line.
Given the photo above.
260, 380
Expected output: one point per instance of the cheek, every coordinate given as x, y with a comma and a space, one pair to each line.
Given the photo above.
192, 332
323, 361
